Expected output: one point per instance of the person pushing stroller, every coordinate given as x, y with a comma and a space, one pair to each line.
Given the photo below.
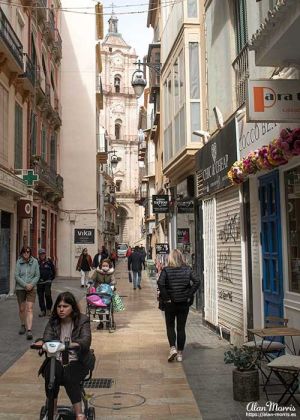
103, 275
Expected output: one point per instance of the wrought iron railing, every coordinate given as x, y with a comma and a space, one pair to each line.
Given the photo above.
10, 38
241, 69
29, 69
48, 175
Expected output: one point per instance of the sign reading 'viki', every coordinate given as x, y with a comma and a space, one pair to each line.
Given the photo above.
273, 100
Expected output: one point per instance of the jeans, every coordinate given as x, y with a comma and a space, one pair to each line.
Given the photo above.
44, 294
84, 277
137, 277
178, 311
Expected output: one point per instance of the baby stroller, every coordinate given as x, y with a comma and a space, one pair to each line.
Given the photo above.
99, 306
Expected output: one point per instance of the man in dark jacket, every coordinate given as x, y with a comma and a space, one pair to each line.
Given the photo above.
101, 255
135, 263
47, 274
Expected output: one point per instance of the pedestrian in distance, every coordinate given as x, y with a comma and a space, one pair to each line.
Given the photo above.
84, 265
143, 254
135, 263
101, 255
67, 322
113, 257
27, 275
177, 285
128, 253
47, 275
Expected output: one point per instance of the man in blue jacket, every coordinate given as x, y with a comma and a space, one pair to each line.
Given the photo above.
47, 274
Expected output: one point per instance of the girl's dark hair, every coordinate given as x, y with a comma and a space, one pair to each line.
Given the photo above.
68, 298
84, 249
25, 248
106, 260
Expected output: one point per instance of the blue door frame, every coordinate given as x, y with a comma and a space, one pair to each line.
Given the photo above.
271, 241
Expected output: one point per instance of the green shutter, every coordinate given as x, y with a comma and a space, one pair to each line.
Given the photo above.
44, 144
240, 24
18, 137
33, 134
53, 152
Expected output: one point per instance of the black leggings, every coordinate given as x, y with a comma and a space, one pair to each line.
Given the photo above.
69, 376
44, 294
178, 311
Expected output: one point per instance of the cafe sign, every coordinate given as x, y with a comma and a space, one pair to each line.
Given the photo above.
162, 249
273, 100
160, 203
215, 158
185, 206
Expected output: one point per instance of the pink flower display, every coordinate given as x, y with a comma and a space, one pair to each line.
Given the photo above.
267, 157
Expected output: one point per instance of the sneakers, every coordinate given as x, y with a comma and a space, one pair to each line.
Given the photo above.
139, 287
172, 355
179, 357
42, 314
100, 326
29, 335
48, 312
22, 329
82, 285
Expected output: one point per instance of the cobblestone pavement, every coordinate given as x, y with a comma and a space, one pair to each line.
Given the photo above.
134, 357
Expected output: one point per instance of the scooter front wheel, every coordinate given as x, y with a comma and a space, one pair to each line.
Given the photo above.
43, 413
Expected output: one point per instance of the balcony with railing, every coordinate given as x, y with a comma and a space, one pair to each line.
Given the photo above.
41, 10
153, 59
57, 46
49, 181
28, 77
10, 46
110, 199
109, 227
241, 70
49, 31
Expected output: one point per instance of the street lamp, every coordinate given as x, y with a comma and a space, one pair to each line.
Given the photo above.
114, 159
138, 80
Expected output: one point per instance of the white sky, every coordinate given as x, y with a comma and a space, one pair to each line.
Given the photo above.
133, 27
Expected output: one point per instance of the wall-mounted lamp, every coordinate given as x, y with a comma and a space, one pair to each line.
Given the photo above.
138, 80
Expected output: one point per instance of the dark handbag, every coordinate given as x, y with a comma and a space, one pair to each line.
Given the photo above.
161, 304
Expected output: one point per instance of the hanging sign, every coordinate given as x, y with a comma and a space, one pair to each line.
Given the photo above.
162, 249
185, 206
273, 100
24, 209
84, 236
183, 236
160, 203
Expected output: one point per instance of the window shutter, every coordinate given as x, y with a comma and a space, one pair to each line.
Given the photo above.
18, 137
240, 25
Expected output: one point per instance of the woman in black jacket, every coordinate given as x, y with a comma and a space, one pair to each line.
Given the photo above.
177, 285
67, 322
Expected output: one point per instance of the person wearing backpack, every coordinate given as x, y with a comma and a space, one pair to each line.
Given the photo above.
47, 275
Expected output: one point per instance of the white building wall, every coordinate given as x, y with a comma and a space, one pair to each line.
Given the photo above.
78, 208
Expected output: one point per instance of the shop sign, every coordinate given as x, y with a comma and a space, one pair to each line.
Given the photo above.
160, 203
24, 209
183, 236
84, 236
185, 206
215, 158
162, 249
252, 136
273, 100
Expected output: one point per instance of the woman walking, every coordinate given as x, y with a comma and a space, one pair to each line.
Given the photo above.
27, 275
84, 265
177, 285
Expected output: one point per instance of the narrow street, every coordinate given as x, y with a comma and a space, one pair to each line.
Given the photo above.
144, 384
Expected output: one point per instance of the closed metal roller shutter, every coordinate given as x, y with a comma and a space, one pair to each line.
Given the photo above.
210, 261
229, 262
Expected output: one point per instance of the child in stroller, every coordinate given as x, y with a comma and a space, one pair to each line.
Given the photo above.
100, 294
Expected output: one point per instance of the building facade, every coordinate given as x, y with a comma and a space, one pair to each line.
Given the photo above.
120, 118
30, 120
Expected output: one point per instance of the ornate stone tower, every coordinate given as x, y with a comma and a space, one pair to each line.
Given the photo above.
120, 119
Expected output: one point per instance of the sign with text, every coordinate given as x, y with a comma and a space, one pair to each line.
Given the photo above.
215, 158
160, 203
84, 236
24, 209
162, 249
183, 236
273, 100
185, 206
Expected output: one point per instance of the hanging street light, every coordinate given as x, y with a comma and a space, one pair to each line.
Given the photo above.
138, 81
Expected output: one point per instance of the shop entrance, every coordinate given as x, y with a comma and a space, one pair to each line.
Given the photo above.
5, 231
271, 242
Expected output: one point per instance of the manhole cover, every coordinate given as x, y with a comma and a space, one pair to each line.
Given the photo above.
98, 383
118, 400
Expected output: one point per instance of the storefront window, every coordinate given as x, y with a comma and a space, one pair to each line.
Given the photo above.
292, 188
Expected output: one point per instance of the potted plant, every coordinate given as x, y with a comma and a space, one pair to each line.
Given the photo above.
245, 375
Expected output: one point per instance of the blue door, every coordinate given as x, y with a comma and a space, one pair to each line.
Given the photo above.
271, 244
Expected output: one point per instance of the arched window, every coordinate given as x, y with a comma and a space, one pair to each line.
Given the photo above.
118, 125
117, 83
